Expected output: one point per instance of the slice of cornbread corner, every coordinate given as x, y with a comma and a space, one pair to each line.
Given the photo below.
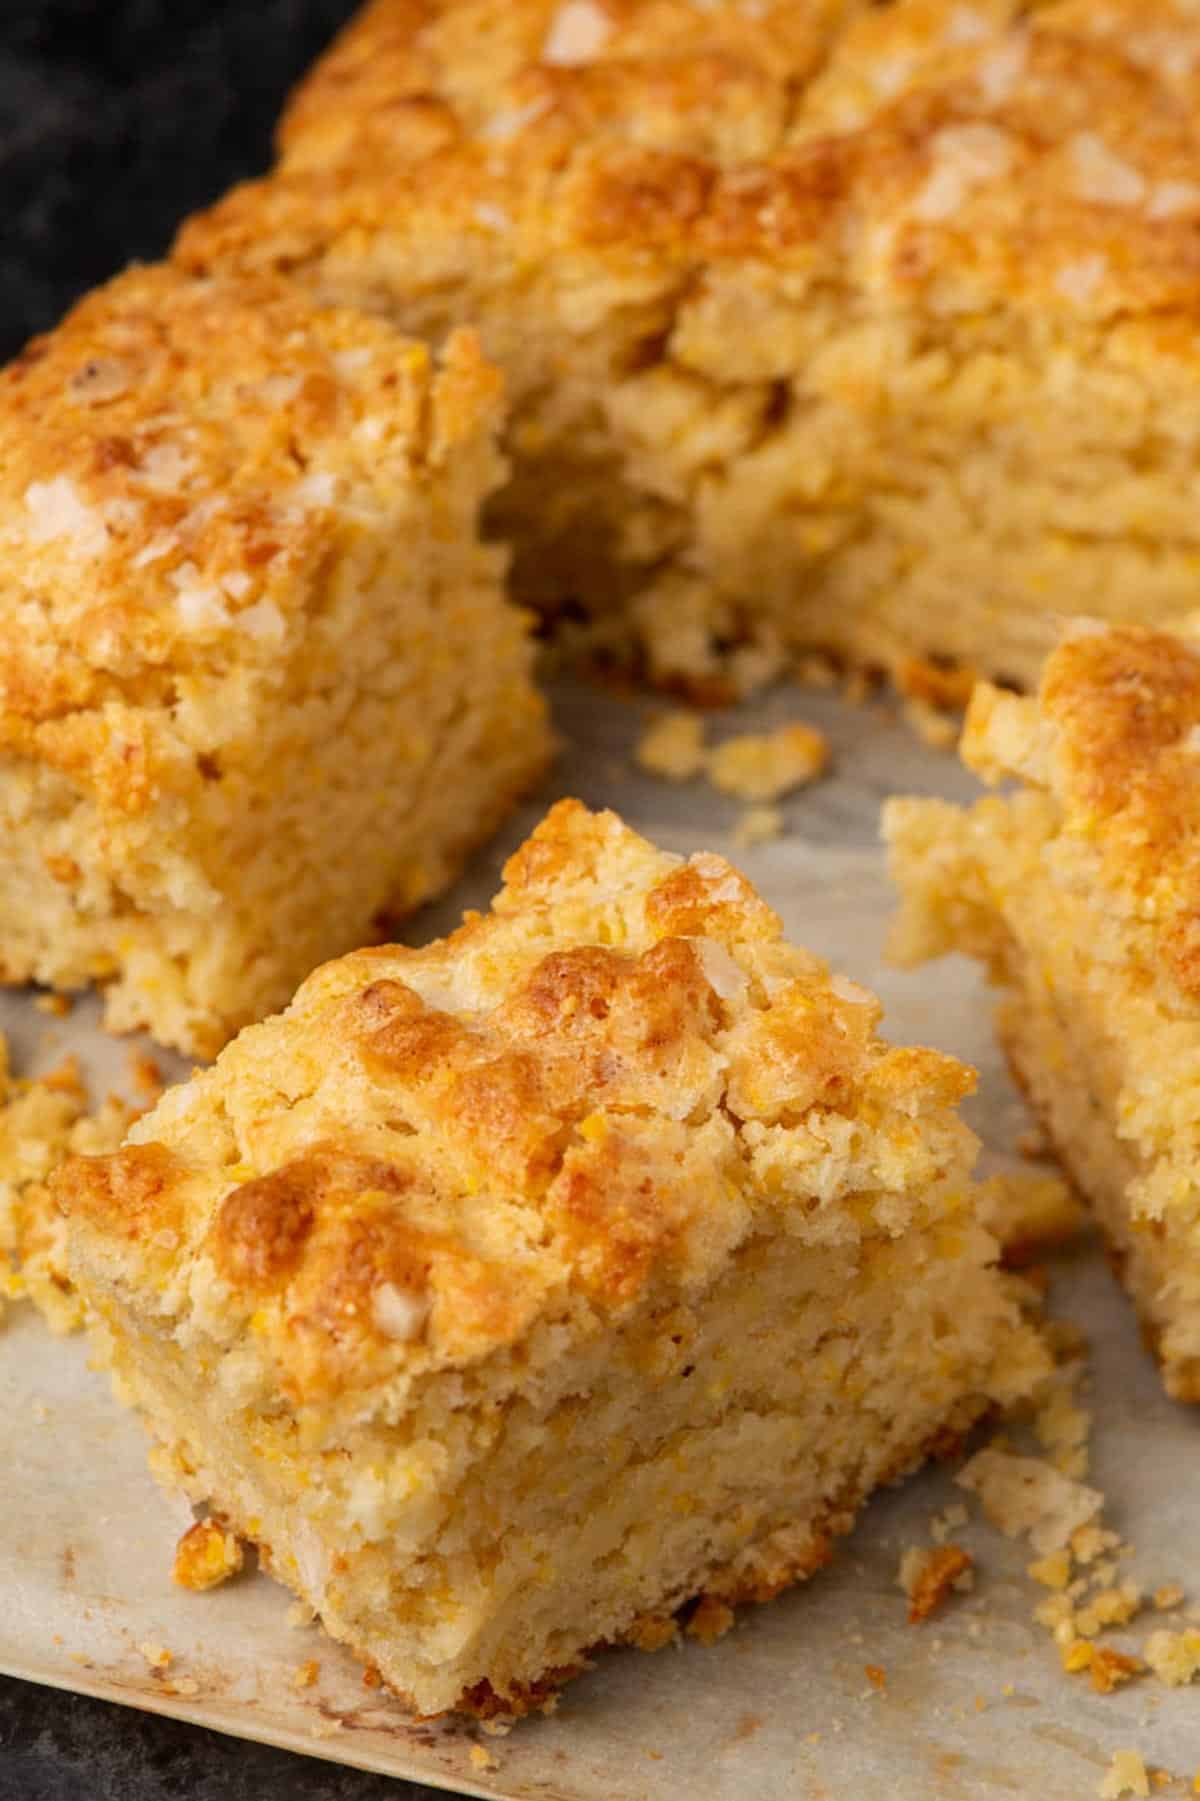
259, 682
1079, 889
515, 1292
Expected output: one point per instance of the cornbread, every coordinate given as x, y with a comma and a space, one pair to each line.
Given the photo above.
1081, 893
43, 1120
829, 326
258, 680
515, 1292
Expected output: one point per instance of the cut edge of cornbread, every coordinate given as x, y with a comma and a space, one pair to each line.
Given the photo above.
517, 1293
1078, 893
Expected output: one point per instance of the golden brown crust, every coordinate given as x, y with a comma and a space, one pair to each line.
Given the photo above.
1046, 158
1115, 738
561, 1104
174, 462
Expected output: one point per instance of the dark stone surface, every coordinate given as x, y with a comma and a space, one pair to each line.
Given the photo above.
60, 1747
118, 117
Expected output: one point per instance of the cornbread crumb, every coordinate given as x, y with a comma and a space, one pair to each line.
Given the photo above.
328, 1726
763, 766
937, 729
758, 825
300, 1615
1126, 1776
1168, 1595
1025, 1497
305, 1674
42, 1121
928, 1577
1110, 1607
157, 1656
499, 1244
711, 1620
57, 1005
206, 1556
483, 1759
953, 1516
1053, 1571
1173, 1656
1031, 1214
181, 1685
673, 746
876, 1675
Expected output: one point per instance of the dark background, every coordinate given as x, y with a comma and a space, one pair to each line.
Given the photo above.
117, 117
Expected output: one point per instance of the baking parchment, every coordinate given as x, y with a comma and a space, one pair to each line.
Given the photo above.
975, 1702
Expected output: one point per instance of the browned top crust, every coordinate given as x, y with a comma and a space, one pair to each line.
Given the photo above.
1115, 739
957, 153
589, 1095
176, 461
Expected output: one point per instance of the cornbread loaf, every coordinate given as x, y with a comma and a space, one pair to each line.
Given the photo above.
514, 1293
258, 679
1080, 891
865, 328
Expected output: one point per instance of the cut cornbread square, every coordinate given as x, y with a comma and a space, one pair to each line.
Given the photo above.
514, 1292
1080, 892
827, 324
259, 682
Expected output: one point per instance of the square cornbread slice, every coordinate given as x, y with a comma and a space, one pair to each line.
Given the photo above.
870, 329
1080, 891
515, 1292
259, 682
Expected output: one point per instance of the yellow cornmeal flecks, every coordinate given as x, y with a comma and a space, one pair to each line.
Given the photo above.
206, 1556
758, 825
1174, 1656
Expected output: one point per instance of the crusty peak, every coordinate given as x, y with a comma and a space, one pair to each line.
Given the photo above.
595, 1090
1044, 157
175, 459
1114, 736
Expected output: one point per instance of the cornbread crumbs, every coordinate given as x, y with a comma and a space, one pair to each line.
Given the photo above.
758, 825
1053, 1571
306, 1674
1169, 1595
929, 1576
673, 746
157, 1656
876, 1675
711, 1620
1126, 1775
43, 1120
58, 1006
1025, 1497
1173, 1656
1031, 1213
483, 1759
300, 1615
207, 1555
951, 1519
763, 766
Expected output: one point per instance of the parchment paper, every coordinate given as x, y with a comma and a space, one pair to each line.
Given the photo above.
975, 1702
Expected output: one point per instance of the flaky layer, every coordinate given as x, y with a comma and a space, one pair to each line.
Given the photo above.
478, 1547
